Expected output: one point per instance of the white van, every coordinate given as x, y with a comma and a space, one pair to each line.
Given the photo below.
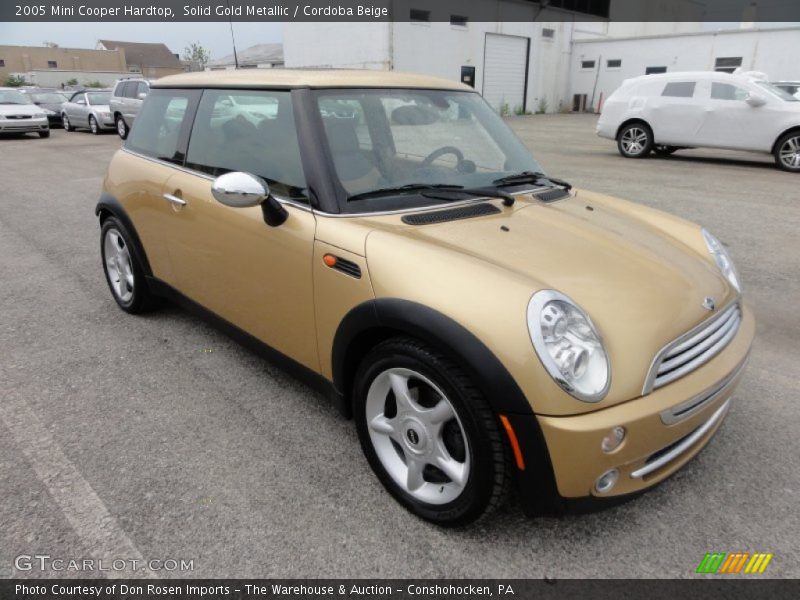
672, 111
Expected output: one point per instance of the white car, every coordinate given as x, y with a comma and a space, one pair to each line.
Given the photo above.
667, 112
18, 114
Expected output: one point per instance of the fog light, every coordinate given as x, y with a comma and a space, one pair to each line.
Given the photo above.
606, 481
613, 439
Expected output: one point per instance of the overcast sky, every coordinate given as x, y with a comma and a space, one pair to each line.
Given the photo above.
214, 36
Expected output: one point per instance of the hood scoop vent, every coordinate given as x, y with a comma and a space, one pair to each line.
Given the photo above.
552, 195
452, 214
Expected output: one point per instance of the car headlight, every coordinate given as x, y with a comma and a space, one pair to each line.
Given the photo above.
569, 346
723, 259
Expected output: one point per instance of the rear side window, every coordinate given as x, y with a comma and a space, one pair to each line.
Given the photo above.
161, 125
726, 91
679, 89
251, 131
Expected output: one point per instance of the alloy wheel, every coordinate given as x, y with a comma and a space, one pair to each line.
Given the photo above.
121, 127
417, 436
790, 153
118, 265
634, 140
93, 124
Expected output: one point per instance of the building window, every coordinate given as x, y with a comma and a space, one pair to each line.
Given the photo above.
458, 20
587, 64
614, 63
548, 33
728, 64
421, 16
679, 89
655, 70
2, 62
51, 64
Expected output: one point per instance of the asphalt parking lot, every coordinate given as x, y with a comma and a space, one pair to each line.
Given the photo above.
159, 438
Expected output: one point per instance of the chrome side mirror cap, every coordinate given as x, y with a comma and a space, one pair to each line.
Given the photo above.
142, 96
755, 99
239, 190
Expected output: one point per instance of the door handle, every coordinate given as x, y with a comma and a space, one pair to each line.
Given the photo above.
174, 200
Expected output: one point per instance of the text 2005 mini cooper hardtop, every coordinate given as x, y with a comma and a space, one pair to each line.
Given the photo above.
388, 237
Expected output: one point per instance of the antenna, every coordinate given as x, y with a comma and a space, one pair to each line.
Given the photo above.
233, 40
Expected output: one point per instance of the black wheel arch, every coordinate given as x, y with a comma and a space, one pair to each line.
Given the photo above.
109, 206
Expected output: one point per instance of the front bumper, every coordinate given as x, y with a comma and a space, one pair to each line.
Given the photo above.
664, 430
23, 125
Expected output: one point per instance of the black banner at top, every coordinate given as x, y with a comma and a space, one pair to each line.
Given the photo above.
454, 11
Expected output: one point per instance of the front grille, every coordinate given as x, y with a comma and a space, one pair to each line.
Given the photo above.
694, 348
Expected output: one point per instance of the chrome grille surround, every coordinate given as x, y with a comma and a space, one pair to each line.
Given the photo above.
694, 348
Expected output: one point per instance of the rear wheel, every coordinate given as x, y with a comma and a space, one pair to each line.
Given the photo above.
635, 140
124, 274
65, 122
787, 152
93, 125
429, 434
122, 127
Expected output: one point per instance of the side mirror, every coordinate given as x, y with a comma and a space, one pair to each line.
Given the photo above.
142, 95
243, 190
755, 100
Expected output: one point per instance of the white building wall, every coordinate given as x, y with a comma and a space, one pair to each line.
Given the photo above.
337, 45
761, 50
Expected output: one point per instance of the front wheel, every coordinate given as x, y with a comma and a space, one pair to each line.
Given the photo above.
429, 434
122, 127
635, 140
65, 122
93, 125
124, 273
787, 152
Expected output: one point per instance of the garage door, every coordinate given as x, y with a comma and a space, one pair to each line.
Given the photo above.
504, 70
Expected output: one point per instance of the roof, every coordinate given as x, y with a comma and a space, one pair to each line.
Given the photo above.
144, 54
254, 55
319, 78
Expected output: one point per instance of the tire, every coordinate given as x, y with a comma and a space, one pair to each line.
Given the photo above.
787, 152
44, 134
93, 125
122, 128
443, 420
124, 274
635, 140
65, 122
664, 150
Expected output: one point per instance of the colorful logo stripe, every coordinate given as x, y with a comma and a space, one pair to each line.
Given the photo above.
722, 563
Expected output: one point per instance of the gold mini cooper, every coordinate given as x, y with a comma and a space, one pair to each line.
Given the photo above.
390, 240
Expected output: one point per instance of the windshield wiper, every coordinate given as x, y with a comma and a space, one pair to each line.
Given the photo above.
402, 189
531, 177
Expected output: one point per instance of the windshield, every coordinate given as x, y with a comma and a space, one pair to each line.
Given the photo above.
13, 97
776, 91
99, 97
386, 138
49, 97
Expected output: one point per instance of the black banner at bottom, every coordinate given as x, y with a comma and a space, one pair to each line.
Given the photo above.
390, 589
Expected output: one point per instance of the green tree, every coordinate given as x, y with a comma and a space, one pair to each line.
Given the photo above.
196, 54
15, 81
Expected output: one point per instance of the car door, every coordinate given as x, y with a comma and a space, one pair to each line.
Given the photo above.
675, 113
730, 122
257, 277
71, 108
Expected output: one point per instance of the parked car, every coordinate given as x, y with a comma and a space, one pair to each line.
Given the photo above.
790, 87
19, 115
670, 111
126, 99
88, 109
481, 321
50, 100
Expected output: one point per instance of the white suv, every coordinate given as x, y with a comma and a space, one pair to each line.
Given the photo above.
667, 112
126, 100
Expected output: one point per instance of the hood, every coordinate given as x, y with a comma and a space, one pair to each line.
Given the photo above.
54, 106
19, 109
641, 275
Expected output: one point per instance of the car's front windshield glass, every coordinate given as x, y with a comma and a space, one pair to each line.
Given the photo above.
382, 139
96, 98
13, 97
776, 91
49, 97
